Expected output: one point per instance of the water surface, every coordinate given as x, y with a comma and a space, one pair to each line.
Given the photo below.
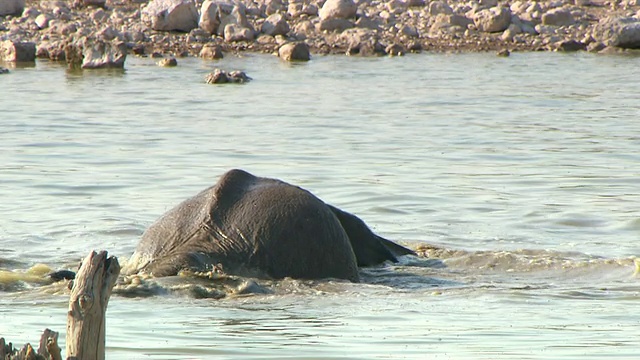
523, 170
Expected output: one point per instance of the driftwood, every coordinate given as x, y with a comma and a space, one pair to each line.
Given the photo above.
86, 317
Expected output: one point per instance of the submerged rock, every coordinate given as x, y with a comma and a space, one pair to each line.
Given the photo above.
219, 76
168, 62
211, 52
294, 52
104, 55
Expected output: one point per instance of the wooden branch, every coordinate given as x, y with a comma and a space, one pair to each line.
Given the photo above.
87, 306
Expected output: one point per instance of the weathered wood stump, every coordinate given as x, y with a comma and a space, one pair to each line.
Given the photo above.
86, 317
88, 304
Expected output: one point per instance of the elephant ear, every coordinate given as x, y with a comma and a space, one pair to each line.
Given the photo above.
369, 248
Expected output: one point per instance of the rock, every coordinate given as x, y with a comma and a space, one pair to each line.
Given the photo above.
168, 62
439, 7
238, 77
596, 46
3, 70
30, 12
102, 54
363, 42
42, 21
395, 50
170, 15
495, 19
511, 32
216, 77
303, 30
503, 53
52, 50
221, 77
100, 3
108, 33
449, 23
211, 52
299, 9
558, 17
488, 3
397, 6
11, 7
12, 51
570, 46
273, 7
234, 33
294, 52
99, 16
622, 32
274, 25
366, 22
209, 17
237, 16
338, 9
334, 25
409, 31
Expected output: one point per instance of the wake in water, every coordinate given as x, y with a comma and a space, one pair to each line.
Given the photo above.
435, 269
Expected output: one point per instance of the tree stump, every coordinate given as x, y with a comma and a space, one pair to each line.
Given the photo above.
48, 349
87, 306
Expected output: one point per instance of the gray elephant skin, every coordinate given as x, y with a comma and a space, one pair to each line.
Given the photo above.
260, 227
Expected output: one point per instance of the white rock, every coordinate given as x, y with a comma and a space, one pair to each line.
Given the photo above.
42, 21
101, 54
209, 18
170, 15
338, 9
234, 32
11, 7
496, 19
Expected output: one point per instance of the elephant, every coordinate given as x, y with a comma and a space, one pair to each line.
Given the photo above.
260, 227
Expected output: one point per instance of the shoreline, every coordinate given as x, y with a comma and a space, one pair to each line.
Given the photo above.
360, 28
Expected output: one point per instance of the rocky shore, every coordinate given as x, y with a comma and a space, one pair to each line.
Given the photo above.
68, 29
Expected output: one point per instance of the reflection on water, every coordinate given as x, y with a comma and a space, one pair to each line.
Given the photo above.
521, 171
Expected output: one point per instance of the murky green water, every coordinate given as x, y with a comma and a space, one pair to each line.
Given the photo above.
524, 168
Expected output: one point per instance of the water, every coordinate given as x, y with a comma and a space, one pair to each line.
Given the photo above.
521, 170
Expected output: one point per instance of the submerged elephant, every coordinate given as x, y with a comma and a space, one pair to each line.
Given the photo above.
260, 227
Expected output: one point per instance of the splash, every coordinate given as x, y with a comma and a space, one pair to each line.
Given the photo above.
12, 280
